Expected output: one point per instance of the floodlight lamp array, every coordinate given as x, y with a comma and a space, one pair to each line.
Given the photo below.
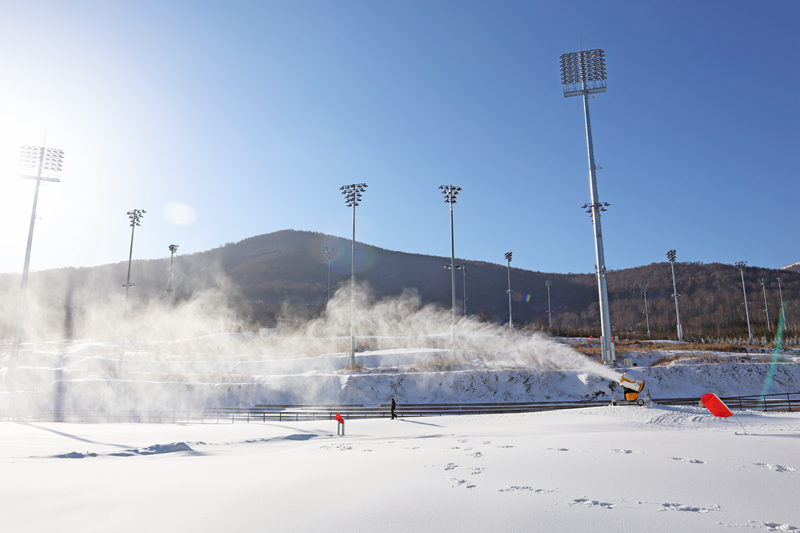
548, 282
644, 286
352, 193
671, 256
450, 193
599, 206
740, 265
508, 256
583, 72
135, 216
50, 158
173, 248
763, 281
330, 252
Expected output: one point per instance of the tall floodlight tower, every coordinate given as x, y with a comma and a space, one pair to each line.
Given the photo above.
783, 309
764, 282
173, 248
584, 73
549, 314
135, 216
450, 193
330, 254
671, 258
508, 269
643, 287
47, 161
741, 265
352, 197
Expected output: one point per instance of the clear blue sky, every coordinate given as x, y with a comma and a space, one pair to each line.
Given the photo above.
226, 120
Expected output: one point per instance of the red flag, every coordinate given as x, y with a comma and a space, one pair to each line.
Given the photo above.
339, 418
715, 405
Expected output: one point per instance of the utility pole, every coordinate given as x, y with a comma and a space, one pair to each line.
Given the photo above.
643, 287
741, 265
783, 308
549, 314
764, 282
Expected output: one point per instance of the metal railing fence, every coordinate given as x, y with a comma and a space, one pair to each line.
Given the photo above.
296, 413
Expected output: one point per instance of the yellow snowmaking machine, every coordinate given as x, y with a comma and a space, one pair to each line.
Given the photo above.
633, 385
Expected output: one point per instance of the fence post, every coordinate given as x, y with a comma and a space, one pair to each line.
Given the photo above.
789, 400
764, 399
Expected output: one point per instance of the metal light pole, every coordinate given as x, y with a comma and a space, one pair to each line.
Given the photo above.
741, 265
671, 258
450, 193
764, 282
508, 269
47, 160
173, 248
352, 197
783, 309
135, 216
643, 287
584, 73
464, 269
330, 253
549, 314
464, 272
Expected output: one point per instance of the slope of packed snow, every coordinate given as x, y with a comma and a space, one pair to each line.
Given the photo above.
606, 469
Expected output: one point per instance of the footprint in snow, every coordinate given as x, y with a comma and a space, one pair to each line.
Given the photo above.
693, 461
592, 503
687, 508
487, 442
463, 483
616, 450
776, 468
476, 455
450, 466
774, 526
525, 488
477, 471
559, 449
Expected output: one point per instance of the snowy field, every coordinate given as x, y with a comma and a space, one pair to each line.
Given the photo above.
651, 469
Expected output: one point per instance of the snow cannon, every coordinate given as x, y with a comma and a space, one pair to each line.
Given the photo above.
633, 384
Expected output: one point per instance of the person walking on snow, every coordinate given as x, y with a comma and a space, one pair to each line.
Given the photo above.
394, 405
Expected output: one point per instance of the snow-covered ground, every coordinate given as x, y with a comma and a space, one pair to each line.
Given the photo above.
600, 469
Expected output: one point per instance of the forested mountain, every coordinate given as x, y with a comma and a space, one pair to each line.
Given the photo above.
263, 273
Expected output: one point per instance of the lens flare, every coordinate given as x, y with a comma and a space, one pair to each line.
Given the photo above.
179, 213
776, 353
